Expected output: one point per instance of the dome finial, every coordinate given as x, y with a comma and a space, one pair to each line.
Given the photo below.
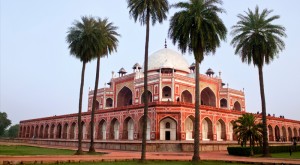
165, 43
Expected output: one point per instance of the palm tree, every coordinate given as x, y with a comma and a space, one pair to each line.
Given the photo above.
258, 41
246, 129
108, 43
83, 38
198, 29
143, 10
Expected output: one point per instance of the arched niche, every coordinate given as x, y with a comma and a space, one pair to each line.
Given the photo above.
221, 130
186, 97
223, 103
207, 132
102, 130
149, 97
237, 106
167, 92
124, 97
168, 129
189, 127
141, 121
208, 97
109, 102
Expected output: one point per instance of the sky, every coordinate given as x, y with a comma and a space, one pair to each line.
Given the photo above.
39, 78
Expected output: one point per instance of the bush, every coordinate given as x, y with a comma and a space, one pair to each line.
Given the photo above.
245, 151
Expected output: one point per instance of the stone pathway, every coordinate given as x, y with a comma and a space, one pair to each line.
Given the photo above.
116, 155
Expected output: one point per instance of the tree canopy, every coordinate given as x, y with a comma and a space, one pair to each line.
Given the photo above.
4, 122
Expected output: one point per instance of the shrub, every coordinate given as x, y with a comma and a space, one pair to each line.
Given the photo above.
245, 151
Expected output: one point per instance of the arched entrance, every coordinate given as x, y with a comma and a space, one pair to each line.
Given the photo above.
65, 131
237, 106
141, 128
128, 128
166, 92
295, 132
208, 97
41, 131
84, 131
186, 97
58, 131
109, 102
73, 131
52, 131
149, 97
32, 132
114, 129
270, 132
102, 130
46, 133
277, 134
223, 103
189, 127
290, 134
284, 137
36, 132
207, 133
168, 129
124, 97
231, 133
221, 130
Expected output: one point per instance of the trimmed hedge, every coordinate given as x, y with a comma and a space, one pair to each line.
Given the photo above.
245, 151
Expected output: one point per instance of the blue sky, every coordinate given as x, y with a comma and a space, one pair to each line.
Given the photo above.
39, 78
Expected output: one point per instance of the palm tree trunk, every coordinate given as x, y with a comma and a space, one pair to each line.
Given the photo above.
144, 134
79, 150
264, 116
92, 147
196, 156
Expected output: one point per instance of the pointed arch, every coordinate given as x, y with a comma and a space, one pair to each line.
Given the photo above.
141, 121
46, 133
52, 131
84, 130
237, 106
189, 127
31, 132
41, 134
58, 131
114, 129
223, 103
109, 102
290, 133
221, 130
124, 97
167, 92
65, 131
36, 131
277, 134
284, 134
207, 132
73, 131
208, 97
231, 133
102, 130
186, 97
295, 132
149, 97
270, 132
128, 128
168, 129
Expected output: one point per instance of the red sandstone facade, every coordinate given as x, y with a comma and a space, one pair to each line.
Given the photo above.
171, 107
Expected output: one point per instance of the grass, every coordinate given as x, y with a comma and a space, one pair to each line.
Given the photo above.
30, 150
295, 155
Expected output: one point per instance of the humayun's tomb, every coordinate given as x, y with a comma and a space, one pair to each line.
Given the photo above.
171, 82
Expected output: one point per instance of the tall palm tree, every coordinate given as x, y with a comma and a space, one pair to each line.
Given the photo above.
83, 38
108, 43
247, 129
198, 29
257, 40
143, 10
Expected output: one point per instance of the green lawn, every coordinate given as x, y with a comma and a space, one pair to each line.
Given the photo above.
295, 155
29, 150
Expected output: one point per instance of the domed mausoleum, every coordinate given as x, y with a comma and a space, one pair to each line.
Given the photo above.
171, 85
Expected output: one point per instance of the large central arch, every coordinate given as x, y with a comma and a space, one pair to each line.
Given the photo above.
186, 96
168, 129
208, 97
124, 97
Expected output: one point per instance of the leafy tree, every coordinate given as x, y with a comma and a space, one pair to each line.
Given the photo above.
83, 39
13, 131
246, 129
108, 44
4, 122
198, 29
257, 40
143, 10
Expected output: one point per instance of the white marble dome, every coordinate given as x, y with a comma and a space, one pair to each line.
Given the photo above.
167, 58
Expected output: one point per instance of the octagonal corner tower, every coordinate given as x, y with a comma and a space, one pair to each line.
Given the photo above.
167, 58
